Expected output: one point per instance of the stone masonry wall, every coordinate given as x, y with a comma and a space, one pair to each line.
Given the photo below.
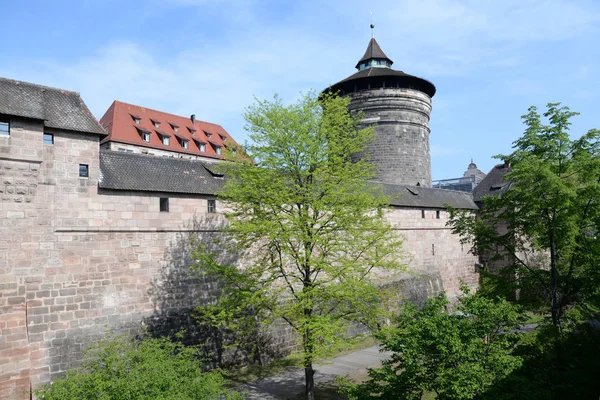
76, 261
114, 146
401, 146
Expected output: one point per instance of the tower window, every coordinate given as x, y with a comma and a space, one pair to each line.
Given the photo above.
48, 138
4, 127
84, 171
164, 204
212, 206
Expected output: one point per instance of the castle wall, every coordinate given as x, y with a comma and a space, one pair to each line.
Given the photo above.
77, 261
401, 146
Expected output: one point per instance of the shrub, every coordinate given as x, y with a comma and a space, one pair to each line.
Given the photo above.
121, 368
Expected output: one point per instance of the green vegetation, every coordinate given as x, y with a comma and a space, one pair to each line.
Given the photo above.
452, 355
310, 226
122, 368
544, 228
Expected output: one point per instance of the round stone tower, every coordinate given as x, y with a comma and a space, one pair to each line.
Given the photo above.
400, 106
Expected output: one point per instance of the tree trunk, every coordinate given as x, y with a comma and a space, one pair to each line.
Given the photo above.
309, 374
554, 282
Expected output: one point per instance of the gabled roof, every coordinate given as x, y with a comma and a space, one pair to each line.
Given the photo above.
493, 183
118, 121
146, 173
373, 52
58, 108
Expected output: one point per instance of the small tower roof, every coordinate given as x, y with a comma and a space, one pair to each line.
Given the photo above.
373, 52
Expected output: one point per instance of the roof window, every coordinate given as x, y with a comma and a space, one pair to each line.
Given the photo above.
192, 130
174, 126
155, 122
136, 118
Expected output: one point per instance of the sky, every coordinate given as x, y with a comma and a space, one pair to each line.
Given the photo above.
490, 60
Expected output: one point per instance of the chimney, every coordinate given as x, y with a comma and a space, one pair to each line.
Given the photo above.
193, 118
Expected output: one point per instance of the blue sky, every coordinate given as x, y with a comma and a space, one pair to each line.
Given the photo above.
490, 60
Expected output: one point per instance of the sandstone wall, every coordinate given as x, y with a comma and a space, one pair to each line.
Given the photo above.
76, 261
131, 148
401, 146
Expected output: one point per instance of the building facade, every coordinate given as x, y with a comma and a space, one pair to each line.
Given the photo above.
97, 220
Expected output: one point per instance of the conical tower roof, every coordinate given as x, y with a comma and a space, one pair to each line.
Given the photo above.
373, 52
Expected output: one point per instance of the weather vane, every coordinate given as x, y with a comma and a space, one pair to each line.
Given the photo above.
372, 25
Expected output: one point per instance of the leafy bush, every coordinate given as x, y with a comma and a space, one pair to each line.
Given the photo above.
121, 368
453, 355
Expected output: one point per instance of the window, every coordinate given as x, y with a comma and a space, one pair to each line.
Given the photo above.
48, 138
212, 206
146, 136
157, 125
4, 127
218, 150
422, 213
165, 140
84, 171
432, 249
184, 144
175, 129
202, 147
164, 204
437, 214
137, 120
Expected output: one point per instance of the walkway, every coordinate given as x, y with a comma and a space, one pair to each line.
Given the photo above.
291, 383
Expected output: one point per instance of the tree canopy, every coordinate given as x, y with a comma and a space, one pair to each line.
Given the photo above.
309, 223
543, 229
456, 355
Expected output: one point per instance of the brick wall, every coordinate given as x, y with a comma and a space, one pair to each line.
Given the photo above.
76, 261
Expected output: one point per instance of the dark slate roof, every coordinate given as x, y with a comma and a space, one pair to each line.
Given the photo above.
61, 109
418, 196
373, 51
493, 183
387, 74
146, 173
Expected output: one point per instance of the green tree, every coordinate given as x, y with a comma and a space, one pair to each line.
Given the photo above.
454, 355
309, 224
122, 368
544, 228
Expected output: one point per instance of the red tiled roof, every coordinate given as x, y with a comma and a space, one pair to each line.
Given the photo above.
118, 121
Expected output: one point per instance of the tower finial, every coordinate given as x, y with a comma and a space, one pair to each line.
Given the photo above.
372, 25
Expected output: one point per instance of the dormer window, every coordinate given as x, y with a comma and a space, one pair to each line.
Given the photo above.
223, 137
192, 131
174, 126
218, 150
144, 134
155, 122
208, 134
183, 142
136, 118
166, 140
